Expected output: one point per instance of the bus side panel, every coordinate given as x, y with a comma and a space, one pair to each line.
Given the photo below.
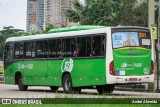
88, 72
8, 75
10, 72
36, 73
54, 72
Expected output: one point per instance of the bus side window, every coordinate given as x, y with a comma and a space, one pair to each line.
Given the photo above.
88, 46
103, 45
52, 48
84, 46
81, 46
8, 54
98, 45
29, 50
73, 48
41, 49
66, 47
18, 50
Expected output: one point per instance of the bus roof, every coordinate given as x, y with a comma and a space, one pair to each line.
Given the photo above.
63, 32
76, 28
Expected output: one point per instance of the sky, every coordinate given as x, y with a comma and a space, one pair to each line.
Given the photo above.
13, 13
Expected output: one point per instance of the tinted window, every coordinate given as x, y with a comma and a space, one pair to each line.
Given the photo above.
18, 50
54, 48
81, 46
41, 49
72, 46
98, 45
29, 50
8, 53
68, 47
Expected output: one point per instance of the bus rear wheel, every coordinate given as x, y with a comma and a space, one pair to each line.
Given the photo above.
77, 90
54, 88
105, 89
67, 84
20, 84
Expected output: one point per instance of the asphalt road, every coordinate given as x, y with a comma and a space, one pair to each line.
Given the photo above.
11, 91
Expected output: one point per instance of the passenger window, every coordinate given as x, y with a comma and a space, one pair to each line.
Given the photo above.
73, 47
81, 46
98, 45
66, 47
18, 52
88, 46
8, 53
29, 50
41, 49
54, 48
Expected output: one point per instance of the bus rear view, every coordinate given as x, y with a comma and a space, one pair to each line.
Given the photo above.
132, 56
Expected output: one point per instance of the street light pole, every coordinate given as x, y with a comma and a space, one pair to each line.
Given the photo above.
158, 47
151, 20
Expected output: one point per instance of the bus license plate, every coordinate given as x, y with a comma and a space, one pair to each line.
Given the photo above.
132, 79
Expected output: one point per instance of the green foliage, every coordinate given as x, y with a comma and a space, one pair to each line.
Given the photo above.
48, 27
7, 32
109, 13
10, 30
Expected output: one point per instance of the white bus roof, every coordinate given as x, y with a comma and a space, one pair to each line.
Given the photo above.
99, 29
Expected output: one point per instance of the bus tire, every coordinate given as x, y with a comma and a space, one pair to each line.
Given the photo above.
110, 88
21, 86
106, 89
100, 89
77, 90
54, 88
67, 84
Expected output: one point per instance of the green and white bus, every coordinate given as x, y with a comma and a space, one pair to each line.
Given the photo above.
80, 57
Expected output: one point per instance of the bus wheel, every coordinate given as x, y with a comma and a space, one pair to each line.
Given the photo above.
109, 88
54, 88
67, 84
21, 86
100, 89
77, 90
106, 89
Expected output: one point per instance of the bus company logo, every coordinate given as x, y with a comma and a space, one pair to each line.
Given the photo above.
67, 65
123, 65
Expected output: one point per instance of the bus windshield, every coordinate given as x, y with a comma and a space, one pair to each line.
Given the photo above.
131, 39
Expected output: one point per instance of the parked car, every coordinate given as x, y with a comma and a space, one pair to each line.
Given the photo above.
1, 67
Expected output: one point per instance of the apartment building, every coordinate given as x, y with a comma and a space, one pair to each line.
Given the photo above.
35, 15
54, 12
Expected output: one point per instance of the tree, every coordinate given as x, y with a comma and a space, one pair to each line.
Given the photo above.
10, 30
7, 32
49, 26
109, 13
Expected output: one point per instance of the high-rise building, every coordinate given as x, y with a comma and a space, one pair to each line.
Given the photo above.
35, 15
54, 12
